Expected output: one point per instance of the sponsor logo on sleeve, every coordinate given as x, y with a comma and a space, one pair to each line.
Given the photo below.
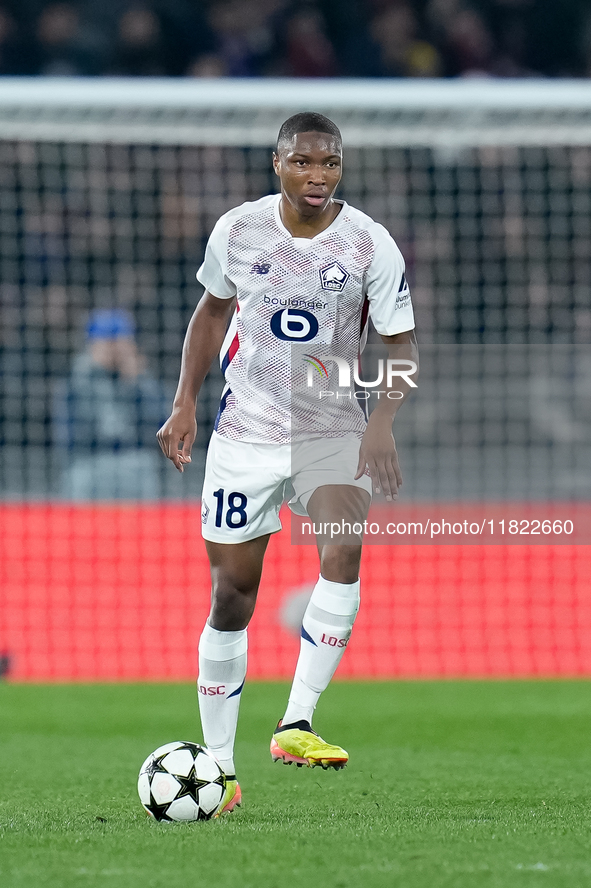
403, 295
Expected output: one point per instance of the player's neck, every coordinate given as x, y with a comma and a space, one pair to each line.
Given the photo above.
307, 226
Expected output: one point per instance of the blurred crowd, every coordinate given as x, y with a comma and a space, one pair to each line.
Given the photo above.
308, 38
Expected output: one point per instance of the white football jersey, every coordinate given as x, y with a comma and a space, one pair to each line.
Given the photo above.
315, 292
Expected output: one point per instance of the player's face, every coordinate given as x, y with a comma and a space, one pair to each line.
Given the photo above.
309, 169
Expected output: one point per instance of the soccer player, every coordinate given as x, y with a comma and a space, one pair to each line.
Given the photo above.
295, 267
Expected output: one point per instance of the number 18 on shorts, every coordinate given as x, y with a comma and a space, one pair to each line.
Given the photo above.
246, 483
243, 490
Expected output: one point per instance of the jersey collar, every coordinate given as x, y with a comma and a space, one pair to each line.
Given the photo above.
334, 224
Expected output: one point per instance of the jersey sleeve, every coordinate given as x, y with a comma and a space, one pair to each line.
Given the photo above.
386, 287
213, 273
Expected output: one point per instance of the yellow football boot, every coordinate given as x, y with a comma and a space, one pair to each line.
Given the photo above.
232, 798
300, 745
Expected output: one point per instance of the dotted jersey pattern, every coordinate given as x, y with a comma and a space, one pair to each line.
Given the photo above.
273, 275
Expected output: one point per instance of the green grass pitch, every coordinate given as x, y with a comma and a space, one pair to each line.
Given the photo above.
449, 784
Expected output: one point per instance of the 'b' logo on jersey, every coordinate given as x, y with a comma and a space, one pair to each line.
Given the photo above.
334, 277
294, 325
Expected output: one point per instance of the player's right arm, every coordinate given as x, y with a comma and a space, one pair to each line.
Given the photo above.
203, 341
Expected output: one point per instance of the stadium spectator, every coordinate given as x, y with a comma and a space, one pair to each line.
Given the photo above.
65, 44
105, 415
347, 25
248, 38
244, 32
396, 31
185, 26
470, 44
208, 64
141, 49
308, 51
16, 56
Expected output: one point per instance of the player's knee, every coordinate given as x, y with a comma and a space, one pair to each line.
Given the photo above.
232, 606
340, 564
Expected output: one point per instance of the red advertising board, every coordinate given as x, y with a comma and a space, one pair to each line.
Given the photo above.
121, 592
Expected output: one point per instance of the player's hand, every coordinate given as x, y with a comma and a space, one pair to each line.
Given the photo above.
177, 436
378, 455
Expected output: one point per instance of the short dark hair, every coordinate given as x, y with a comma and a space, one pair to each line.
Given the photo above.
307, 122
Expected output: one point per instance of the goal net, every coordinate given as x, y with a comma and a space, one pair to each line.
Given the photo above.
109, 190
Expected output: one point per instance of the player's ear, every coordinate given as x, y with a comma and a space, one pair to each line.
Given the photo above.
276, 162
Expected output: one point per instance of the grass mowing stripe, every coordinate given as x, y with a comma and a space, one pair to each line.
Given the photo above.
458, 784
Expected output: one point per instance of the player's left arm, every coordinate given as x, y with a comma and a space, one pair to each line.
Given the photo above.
378, 447
390, 309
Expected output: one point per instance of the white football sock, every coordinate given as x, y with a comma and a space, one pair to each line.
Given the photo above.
326, 629
222, 670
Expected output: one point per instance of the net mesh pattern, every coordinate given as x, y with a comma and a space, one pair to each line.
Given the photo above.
497, 245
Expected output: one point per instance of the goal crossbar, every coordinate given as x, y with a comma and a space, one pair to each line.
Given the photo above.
228, 112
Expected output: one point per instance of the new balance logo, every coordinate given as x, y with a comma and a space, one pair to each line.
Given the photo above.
260, 268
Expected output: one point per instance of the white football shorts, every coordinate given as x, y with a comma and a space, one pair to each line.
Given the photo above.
246, 484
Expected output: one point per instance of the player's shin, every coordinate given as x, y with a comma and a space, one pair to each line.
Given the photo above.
326, 629
222, 670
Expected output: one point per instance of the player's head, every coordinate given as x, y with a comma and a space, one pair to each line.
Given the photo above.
308, 161
307, 122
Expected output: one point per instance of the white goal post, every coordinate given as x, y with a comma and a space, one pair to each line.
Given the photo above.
434, 113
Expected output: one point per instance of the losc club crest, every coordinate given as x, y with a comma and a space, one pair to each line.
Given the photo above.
333, 277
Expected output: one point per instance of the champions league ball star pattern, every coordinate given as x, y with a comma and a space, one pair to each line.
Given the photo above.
315, 292
181, 781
